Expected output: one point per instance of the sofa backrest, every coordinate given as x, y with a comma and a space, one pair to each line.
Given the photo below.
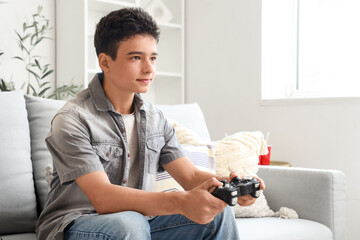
17, 194
188, 115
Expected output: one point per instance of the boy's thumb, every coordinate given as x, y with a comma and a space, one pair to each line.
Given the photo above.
211, 184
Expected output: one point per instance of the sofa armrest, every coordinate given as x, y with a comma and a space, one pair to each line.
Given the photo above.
315, 194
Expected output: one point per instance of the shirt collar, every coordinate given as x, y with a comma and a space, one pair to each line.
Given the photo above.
101, 102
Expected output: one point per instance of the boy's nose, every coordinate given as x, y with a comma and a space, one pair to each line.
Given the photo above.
148, 67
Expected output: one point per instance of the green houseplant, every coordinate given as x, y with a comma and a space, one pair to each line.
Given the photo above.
33, 33
29, 39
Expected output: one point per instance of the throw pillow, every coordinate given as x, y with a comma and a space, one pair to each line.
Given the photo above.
202, 156
240, 153
236, 153
40, 113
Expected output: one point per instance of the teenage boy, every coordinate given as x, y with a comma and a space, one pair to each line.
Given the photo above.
108, 144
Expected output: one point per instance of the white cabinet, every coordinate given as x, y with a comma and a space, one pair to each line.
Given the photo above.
76, 59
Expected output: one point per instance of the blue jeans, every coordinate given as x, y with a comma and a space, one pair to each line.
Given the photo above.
132, 225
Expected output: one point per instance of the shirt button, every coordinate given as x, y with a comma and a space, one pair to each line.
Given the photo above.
107, 154
124, 181
123, 130
129, 155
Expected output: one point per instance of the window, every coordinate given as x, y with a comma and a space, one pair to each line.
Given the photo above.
310, 48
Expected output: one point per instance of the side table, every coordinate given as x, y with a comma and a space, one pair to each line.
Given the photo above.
280, 164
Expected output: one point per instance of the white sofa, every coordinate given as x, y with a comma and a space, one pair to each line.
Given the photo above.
318, 196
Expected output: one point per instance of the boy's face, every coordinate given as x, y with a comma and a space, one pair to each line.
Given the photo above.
134, 67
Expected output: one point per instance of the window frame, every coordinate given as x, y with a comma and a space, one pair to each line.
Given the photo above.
290, 91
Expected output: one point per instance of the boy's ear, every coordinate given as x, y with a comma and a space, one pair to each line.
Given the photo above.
104, 62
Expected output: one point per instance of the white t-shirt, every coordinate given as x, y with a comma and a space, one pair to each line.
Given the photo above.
132, 138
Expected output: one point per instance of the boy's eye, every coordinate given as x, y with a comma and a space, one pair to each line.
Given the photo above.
153, 58
136, 58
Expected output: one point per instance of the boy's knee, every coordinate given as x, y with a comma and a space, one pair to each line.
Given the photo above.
130, 225
226, 224
228, 214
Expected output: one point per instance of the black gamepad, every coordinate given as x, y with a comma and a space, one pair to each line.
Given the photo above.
229, 192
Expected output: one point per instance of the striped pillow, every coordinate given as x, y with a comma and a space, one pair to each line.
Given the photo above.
202, 156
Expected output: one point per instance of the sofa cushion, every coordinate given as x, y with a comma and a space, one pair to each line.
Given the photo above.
189, 115
17, 198
40, 113
271, 228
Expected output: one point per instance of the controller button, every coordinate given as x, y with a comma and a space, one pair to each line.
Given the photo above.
233, 201
257, 185
257, 194
233, 193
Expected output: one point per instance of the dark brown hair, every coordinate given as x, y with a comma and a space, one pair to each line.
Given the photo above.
121, 25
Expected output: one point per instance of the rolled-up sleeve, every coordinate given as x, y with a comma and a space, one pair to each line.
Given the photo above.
70, 146
172, 150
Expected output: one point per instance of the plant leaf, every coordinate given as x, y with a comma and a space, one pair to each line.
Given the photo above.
26, 36
36, 30
32, 38
44, 83
23, 85
33, 73
18, 35
65, 91
30, 26
4, 86
37, 64
17, 57
48, 73
43, 91
38, 41
23, 47
33, 89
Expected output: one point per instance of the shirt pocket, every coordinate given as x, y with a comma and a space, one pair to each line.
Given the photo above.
110, 157
154, 146
108, 152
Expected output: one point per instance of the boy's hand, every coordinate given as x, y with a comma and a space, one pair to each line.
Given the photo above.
199, 205
247, 200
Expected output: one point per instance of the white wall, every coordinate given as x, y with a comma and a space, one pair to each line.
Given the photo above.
223, 65
13, 13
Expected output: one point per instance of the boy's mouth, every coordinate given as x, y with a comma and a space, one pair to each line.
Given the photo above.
145, 80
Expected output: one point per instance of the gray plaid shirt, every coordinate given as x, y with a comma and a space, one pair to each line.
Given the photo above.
88, 135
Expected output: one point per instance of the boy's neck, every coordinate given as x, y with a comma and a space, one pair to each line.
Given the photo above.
123, 106
122, 102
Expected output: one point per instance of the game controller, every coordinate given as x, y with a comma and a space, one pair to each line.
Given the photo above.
229, 192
